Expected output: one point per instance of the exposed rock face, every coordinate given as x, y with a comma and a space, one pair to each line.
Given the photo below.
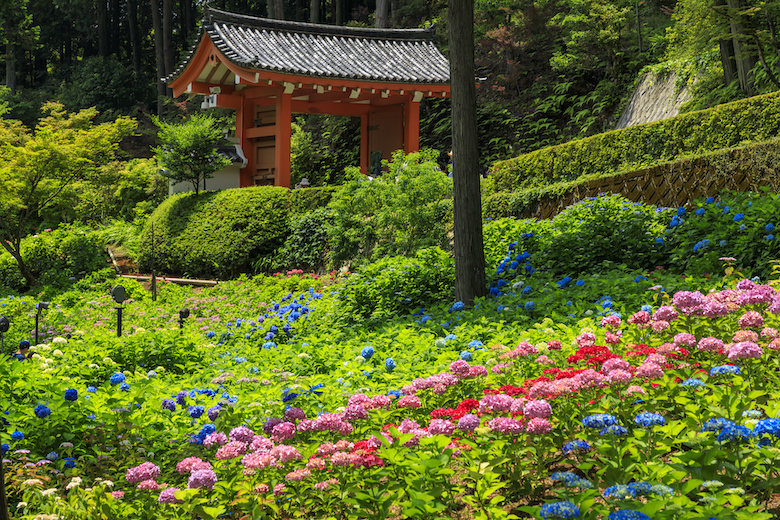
653, 100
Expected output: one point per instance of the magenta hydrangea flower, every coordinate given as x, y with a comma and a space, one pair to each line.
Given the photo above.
665, 313
612, 321
650, 371
294, 414
168, 496
231, 450
441, 427
191, 464
688, 301
619, 377
409, 401
641, 319
468, 423
684, 339
202, 478
381, 401
586, 339
660, 326
356, 412
284, 431
498, 403
506, 426
710, 344
145, 471
244, 434
148, 485
460, 368
614, 364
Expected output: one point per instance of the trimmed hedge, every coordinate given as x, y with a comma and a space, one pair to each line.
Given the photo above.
748, 120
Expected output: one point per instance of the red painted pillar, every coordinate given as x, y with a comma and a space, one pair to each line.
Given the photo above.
245, 119
411, 126
283, 134
364, 144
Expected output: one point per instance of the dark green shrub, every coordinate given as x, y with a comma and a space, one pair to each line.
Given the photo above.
749, 120
215, 234
305, 247
397, 285
310, 199
738, 225
165, 348
11, 278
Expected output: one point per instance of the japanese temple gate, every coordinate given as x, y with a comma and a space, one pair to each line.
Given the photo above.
267, 70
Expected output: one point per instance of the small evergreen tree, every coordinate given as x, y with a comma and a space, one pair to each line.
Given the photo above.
188, 150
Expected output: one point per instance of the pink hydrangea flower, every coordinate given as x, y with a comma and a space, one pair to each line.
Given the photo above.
506, 426
641, 319
538, 426
202, 478
769, 332
261, 489
554, 345
322, 486
614, 364
188, 465
751, 320
710, 344
118, 495
441, 427
613, 338
586, 339
650, 371
688, 301
340, 458
660, 326
298, 475
665, 313
358, 399
540, 408
409, 401
231, 450
634, 389
774, 344
279, 489
148, 485
477, 371
744, 350
285, 453
242, 434
499, 403
745, 335
684, 339
460, 368
544, 360
619, 376
316, 464
468, 423
381, 401
294, 414
145, 471
215, 439
283, 431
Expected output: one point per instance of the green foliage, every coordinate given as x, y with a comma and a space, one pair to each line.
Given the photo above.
396, 286
188, 150
311, 199
738, 225
106, 84
54, 256
306, 244
754, 119
169, 349
217, 234
322, 147
406, 209
599, 231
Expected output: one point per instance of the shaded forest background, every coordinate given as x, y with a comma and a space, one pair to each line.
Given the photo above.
550, 70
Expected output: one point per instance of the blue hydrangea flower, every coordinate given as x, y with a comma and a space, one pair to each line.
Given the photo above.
124, 387
465, 355
169, 404
627, 514
661, 490
458, 306
269, 345
529, 306
599, 420
726, 210
52, 456
735, 432
527, 289
91, 389
716, 425
659, 241
769, 227
579, 283
769, 238
17, 435
724, 369
738, 217
681, 212
571, 480
614, 429
213, 412
768, 426
722, 243
71, 394
619, 492
752, 414
575, 445
389, 364
710, 200
4, 448
196, 411
116, 378
367, 352
42, 411
648, 419
151, 374
70, 462
693, 382
450, 337
700, 212
565, 509
210, 334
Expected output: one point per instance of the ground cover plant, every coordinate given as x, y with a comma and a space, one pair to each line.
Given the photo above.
608, 391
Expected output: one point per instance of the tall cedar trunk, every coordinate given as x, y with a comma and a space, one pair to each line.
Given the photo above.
279, 9
381, 14
745, 59
470, 280
271, 8
187, 23
10, 60
135, 41
102, 14
158, 51
727, 60
24, 269
167, 28
299, 16
339, 11
314, 11
116, 22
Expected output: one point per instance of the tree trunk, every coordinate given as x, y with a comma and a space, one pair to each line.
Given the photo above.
14, 251
745, 60
188, 24
727, 60
339, 11
469, 253
314, 11
299, 17
380, 18
764, 64
102, 15
10, 60
167, 31
271, 8
279, 9
158, 50
135, 41
395, 18
115, 36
